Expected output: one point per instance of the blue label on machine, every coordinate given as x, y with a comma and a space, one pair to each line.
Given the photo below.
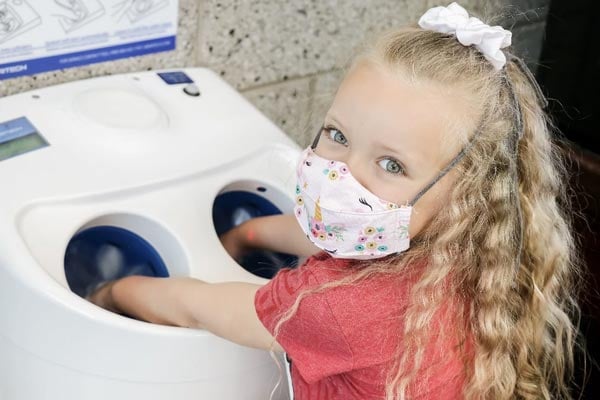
175, 77
19, 136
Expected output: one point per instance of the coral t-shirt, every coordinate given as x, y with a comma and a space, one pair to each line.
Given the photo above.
342, 342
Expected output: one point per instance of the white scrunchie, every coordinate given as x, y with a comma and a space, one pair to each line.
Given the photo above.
469, 30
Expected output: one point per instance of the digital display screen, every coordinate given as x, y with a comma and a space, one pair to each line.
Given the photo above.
19, 136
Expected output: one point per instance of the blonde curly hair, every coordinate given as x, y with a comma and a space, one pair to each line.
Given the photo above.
509, 258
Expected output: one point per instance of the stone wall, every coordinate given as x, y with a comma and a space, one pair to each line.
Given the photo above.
286, 57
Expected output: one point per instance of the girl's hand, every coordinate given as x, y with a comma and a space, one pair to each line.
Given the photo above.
102, 296
234, 241
225, 309
280, 233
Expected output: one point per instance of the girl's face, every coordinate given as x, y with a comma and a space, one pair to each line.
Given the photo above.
395, 137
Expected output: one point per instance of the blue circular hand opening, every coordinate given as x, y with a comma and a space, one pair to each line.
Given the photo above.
231, 209
103, 253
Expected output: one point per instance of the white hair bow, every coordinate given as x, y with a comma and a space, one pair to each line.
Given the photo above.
469, 30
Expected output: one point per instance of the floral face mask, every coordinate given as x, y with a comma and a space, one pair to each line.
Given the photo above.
342, 217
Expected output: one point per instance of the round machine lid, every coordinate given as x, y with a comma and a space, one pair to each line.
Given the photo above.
121, 108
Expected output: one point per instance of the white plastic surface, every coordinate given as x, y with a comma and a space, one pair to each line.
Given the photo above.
121, 109
153, 166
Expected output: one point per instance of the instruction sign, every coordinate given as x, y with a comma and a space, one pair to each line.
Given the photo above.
44, 35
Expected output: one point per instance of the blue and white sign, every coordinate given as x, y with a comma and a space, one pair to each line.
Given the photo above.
44, 35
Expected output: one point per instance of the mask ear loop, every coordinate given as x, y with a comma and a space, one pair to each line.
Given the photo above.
519, 131
518, 134
525, 70
519, 127
518, 119
444, 171
316, 139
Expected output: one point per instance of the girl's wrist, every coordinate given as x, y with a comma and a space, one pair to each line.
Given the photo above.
106, 297
234, 241
247, 235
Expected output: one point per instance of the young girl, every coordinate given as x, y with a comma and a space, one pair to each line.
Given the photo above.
432, 208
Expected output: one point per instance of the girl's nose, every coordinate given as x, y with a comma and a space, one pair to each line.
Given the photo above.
357, 162
359, 169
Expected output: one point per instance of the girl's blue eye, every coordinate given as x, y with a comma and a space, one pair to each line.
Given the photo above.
336, 136
390, 165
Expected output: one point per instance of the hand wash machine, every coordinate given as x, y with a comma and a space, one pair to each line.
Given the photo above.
130, 174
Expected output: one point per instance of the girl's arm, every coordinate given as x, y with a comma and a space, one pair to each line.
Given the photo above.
225, 309
279, 233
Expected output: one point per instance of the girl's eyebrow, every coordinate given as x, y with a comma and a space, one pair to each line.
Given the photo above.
402, 155
337, 121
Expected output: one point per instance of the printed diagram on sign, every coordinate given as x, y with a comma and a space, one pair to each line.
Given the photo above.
47, 35
77, 13
16, 17
136, 10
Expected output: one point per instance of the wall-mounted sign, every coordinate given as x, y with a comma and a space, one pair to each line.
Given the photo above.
44, 35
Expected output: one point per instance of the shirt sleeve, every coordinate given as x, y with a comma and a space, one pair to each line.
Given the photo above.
312, 337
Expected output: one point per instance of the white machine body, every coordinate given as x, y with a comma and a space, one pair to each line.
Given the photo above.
135, 152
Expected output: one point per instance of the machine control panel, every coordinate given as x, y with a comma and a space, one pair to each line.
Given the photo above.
178, 78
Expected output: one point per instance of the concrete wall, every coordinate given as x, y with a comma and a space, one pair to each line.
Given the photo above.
286, 57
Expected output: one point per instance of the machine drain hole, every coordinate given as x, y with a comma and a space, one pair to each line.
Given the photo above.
246, 200
102, 253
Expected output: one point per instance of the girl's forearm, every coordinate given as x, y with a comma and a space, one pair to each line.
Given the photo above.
157, 300
225, 309
279, 233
